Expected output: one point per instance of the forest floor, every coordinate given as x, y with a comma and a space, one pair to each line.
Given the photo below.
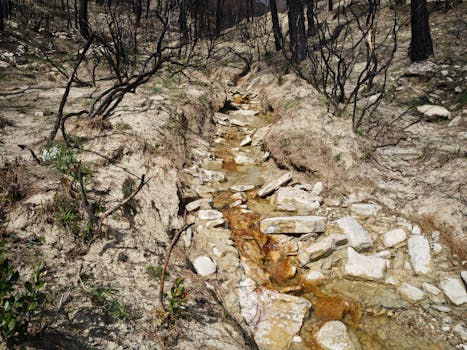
184, 134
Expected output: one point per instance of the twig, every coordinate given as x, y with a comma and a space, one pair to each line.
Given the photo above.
121, 204
167, 258
36, 158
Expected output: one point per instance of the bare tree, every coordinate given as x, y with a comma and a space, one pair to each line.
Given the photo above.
83, 19
276, 27
298, 43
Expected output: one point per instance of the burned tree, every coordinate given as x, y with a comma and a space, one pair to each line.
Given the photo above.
276, 27
421, 46
298, 44
83, 19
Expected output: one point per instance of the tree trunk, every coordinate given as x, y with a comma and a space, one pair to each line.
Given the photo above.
298, 45
421, 46
310, 14
2, 21
330, 5
83, 19
182, 22
219, 15
138, 12
276, 27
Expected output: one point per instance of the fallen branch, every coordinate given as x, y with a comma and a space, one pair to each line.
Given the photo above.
167, 258
109, 212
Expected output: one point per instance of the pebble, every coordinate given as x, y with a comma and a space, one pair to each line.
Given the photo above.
394, 237
419, 253
204, 266
242, 188
274, 185
362, 266
412, 293
293, 224
364, 209
416, 230
210, 214
246, 141
358, 237
333, 336
317, 188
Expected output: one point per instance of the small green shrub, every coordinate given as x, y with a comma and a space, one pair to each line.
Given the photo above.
104, 298
19, 307
156, 272
177, 298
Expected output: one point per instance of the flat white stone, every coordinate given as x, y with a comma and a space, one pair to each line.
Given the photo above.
314, 276
385, 254
362, 266
314, 251
365, 209
454, 289
358, 237
211, 175
293, 199
192, 206
394, 237
413, 294
419, 253
333, 336
265, 156
236, 203
437, 248
260, 134
244, 113
237, 122
242, 188
242, 159
210, 214
293, 224
239, 196
246, 141
432, 112
204, 266
429, 288
416, 230
274, 185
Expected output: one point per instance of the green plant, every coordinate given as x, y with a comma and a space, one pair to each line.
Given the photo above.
122, 126
104, 297
19, 307
62, 156
156, 272
177, 298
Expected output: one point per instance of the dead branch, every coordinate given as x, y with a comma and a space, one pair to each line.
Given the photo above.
109, 212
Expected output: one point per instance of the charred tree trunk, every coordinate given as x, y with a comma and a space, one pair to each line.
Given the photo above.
182, 21
276, 27
310, 14
138, 12
2, 17
219, 15
83, 19
330, 5
298, 45
421, 46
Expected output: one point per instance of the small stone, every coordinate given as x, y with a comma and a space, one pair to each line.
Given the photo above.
242, 159
237, 122
210, 214
364, 209
461, 331
442, 308
454, 290
4, 64
413, 294
187, 237
265, 156
293, 224
429, 288
260, 134
385, 254
394, 237
332, 202
274, 185
239, 196
293, 199
39, 114
437, 248
236, 203
204, 266
333, 336
358, 237
419, 253
362, 266
435, 235
316, 251
416, 230
246, 141
211, 175
242, 188
433, 112
192, 206
317, 188
314, 277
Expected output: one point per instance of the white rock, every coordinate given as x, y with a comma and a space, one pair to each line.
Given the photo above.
203, 202
437, 248
385, 254
211, 175
246, 141
242, 188
464, 276
419, 253
239, 196
39, 114
293, 199
274, 185
333, 336
365, 209
413, 294
237, 122
314, 251
244, 113
416, 230
394, 237
461, 331
204, 266
317, 188
274, 318
265, 156
306, 187
4, 64
242, 159
362, 266
187, 237
314, 277
358, 237
429, 288
210, 214
424, 68
236, 203
293, 224
454, 290
432, 112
